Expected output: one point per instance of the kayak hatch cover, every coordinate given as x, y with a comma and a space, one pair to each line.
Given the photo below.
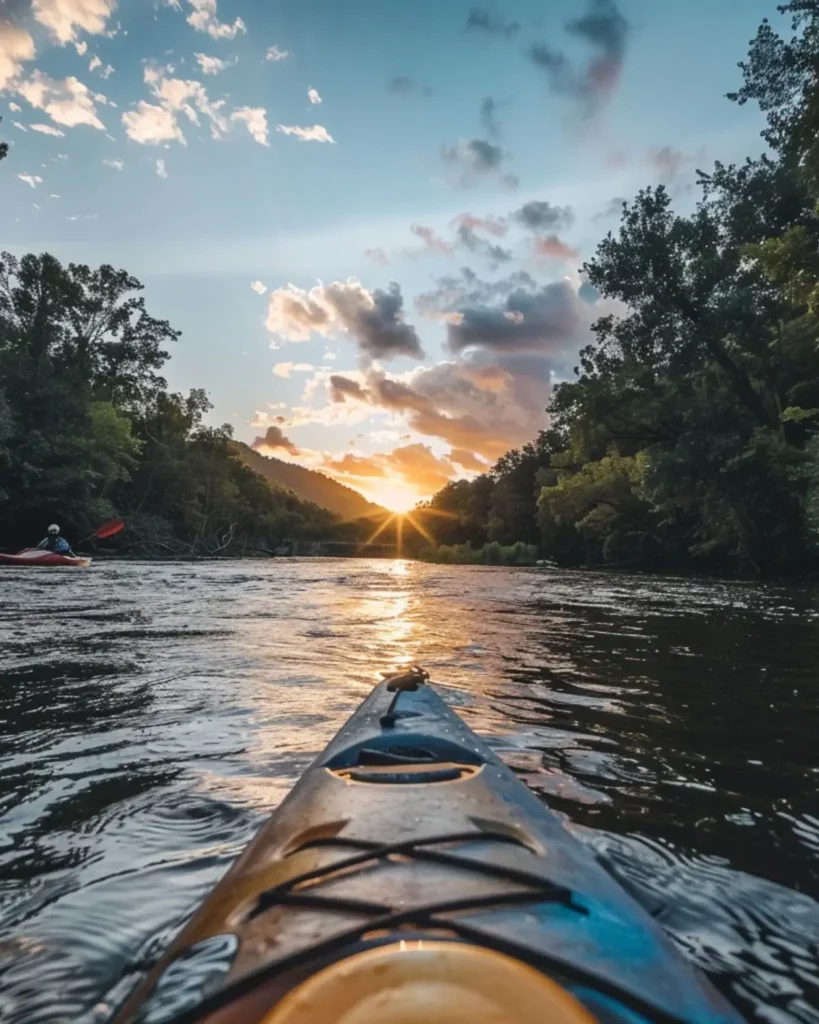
38, 557
410, 878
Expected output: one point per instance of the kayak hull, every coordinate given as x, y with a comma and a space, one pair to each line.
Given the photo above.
34, 557
444, 841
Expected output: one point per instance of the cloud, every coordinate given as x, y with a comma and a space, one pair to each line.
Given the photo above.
452, 402
256, 120
605, 29
553, 248
476, 160
31, 179
274, 439
481, 19
374, 319
21, 127
467, 461
258, 287
274, 53
313, 96
161, 170
469, 239
420, 467
496, 226
64, 17
47, 129
66, 101
489, 117
213, 65
203, 18
342, 388
528, 321
15, 108
16, 47
151, 125
669, 164
538, 215
377, 256
613, 208
355, 465
403, 85
413, 466
285, 369
431, 240
316, 133
116, 164
107, 69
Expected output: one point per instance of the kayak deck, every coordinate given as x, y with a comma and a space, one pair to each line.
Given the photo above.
408, 828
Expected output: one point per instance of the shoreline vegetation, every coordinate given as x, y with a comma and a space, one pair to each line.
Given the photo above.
688, 439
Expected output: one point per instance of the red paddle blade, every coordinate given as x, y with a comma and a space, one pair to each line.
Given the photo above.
110, 528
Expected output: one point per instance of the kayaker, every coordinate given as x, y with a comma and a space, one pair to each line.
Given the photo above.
54, 542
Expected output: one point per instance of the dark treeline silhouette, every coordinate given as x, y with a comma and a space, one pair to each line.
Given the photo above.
690, 434
89, 430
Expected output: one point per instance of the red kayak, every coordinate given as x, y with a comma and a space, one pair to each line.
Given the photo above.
38, 557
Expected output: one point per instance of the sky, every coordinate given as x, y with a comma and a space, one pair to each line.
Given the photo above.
368, 219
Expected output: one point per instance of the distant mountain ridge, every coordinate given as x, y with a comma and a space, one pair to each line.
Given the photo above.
310, 485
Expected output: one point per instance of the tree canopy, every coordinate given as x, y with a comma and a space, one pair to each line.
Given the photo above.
88, 428
690, 434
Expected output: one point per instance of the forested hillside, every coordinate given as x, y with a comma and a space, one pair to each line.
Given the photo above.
88, 428
309, 485
688, 437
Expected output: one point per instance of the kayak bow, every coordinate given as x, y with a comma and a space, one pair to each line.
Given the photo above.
38, 557
411, 878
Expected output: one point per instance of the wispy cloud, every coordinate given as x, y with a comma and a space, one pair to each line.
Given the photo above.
64, 18
481, 19
152, 124
256, 120
213, 65
203, 18
161, 169
431, 240
16, 47
117, 165
285, 369
605, 29
475, 160
313, 96
95, 63
47, 129
275, 53
315, 133
31, 179
258, 287
403, 85
66, 101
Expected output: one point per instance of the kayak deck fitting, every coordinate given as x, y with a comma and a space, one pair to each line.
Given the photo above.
410, 877
32, 557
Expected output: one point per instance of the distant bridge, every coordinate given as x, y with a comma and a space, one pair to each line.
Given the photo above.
340, 548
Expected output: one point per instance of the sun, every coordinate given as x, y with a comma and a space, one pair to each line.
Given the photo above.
398, 501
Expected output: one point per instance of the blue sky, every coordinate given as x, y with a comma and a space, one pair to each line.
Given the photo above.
440, 137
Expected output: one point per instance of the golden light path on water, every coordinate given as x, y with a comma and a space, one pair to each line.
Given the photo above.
157, 713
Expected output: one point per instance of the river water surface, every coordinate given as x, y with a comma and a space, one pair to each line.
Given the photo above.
153, 714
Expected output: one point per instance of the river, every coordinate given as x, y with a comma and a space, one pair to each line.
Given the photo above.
153, 714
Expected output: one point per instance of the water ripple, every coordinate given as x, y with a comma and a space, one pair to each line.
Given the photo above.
154, 714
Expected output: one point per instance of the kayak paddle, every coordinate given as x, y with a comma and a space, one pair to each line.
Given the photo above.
108, 529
